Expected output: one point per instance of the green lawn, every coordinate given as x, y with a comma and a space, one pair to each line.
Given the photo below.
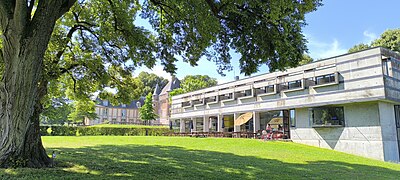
108, 157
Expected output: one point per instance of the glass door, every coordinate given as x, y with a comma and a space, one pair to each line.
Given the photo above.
286, 124
397, 119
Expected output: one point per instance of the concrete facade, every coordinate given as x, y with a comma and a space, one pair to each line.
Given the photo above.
346, 103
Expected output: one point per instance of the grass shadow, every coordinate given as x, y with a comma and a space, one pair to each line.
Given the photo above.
170, 162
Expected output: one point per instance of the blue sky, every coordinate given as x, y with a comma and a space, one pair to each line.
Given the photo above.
332, 30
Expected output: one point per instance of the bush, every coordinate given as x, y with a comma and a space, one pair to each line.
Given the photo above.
102, 131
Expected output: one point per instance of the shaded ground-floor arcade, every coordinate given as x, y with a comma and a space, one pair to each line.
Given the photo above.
246, 124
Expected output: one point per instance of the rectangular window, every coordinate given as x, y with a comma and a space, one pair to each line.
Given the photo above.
397, 115
327, 116
309, 82
211, 99
198, 101
269, 89
123, 112
226, 96
247, 92
385, 67
105, 112
186, 104
105, 103
292, 116
294, 84
325, 79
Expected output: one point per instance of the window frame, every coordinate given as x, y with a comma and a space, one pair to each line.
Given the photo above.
342, 123
292, 121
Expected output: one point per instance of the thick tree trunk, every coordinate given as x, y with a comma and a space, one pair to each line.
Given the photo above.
25, 41
20, 142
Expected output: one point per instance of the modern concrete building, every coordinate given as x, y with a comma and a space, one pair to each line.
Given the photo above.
349, 103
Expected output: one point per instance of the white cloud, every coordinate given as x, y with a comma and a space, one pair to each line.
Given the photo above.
319, 49
369, 36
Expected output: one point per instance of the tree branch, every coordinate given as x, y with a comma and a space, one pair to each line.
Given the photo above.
5, 12
67, 4
214, 9
73, 79
20, 14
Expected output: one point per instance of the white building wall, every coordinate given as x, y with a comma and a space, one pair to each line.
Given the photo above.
359, 79
389, 132
361, 135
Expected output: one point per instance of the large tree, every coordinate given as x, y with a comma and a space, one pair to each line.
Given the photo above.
389, 39
194, 82
150, 81
359, 47
89, 45
146, 112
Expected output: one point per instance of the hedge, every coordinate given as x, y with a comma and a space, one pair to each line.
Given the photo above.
101, 131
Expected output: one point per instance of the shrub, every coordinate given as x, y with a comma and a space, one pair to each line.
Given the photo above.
102, 131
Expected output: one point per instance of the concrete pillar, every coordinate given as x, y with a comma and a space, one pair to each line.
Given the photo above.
256, 121
182, 125
206, 123
219, 120
235, 128
389, 132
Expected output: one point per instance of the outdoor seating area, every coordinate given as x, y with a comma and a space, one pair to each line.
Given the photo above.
275, 135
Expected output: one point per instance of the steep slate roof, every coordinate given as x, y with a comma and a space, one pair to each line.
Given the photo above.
157, 90
132, 105
173, 84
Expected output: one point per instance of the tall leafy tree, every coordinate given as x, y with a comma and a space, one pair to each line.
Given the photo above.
89, 45
194, 82
81, 111
150, 80
358, 47
389, 39
56, 112
146, 112
306, 59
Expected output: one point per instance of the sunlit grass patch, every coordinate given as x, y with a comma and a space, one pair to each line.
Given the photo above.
110, 157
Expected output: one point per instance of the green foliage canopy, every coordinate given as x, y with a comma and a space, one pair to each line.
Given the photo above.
358, 47
389, 39
194, 82
146, 112
96, 45
306, 59
150, 80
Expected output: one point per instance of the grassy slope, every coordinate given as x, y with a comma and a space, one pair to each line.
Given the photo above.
107, 157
